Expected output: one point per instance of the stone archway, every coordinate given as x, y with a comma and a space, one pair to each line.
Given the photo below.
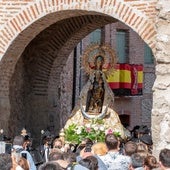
37, 16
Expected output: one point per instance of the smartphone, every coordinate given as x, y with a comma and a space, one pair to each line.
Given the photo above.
24, 155
8, 148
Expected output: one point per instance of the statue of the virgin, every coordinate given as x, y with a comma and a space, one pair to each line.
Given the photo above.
96, 98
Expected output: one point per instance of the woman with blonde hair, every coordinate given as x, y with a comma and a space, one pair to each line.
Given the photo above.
23, 163
99, 148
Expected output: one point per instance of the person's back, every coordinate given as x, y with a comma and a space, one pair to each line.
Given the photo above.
113, 159
164, 159
121, 162
112, 144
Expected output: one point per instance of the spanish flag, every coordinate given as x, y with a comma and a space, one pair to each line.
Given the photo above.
127, 76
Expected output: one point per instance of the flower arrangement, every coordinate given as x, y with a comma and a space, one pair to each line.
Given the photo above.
94, 129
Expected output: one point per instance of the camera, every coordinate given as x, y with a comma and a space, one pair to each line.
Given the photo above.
88, 147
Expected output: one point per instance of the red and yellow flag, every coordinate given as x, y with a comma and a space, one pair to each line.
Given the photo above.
127, 76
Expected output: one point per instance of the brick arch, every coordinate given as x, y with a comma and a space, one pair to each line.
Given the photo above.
38, 67
130, 14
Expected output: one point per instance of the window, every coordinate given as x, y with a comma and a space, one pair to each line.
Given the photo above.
122, 46
148, 55
95, 36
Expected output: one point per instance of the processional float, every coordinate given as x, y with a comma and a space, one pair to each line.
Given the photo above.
94, 110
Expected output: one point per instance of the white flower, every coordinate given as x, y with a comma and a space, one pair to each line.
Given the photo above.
88, 125
101, 128
78, 131
96, 128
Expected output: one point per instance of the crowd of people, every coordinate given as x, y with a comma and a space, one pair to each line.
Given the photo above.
112, 154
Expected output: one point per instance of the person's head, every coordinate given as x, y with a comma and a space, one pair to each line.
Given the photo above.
164, 158
130, 148
50, 166
112, 142
143, 153
142, 147
57, 143
137, 161
18, 140
69, 157
55, 155
150, 163
99, 148
46, 141
147, 140
5, 161
27, 142
89, 162
23, 163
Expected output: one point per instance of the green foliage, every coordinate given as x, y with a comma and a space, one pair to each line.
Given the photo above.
95, 130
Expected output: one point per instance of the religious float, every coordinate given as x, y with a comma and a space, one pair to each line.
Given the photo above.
94, 115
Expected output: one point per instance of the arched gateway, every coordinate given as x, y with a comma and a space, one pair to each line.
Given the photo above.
22, 21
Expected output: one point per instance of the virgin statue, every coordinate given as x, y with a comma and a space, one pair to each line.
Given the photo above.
96, 98
95, 95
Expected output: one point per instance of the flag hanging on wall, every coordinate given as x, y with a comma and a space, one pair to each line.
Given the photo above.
127, 79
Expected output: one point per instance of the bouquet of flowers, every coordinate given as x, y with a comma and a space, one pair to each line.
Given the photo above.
94, 130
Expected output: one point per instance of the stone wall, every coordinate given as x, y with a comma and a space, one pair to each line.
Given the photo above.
161, 98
